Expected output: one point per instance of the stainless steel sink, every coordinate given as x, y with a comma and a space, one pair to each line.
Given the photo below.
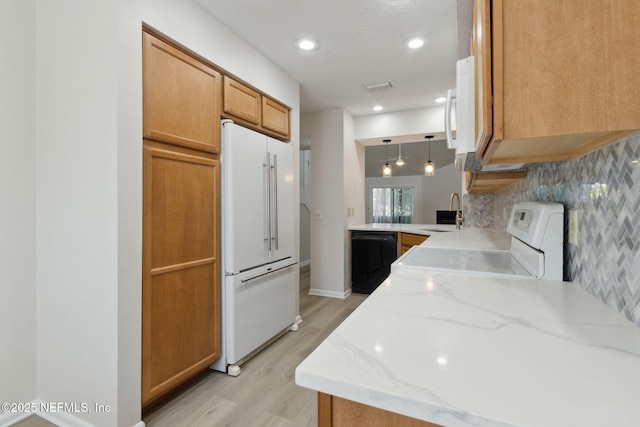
435, 230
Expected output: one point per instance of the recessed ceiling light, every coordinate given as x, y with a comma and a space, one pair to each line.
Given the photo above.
378, 108
307, 44
440, 99
414, 43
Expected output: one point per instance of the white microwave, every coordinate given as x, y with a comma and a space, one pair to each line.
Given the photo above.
463, 99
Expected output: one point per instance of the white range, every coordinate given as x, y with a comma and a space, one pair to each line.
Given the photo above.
536, 250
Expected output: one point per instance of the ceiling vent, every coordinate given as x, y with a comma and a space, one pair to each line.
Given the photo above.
372, 87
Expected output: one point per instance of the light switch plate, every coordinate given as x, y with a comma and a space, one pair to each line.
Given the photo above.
317, 215
573, 226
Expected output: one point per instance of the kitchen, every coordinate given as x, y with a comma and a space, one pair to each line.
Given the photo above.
66, 233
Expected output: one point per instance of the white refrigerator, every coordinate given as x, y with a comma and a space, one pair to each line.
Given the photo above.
259, 286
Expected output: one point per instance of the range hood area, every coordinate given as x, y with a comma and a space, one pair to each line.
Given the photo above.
469, 162
462, 97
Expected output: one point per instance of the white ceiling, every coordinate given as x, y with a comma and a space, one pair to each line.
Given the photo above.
361, 41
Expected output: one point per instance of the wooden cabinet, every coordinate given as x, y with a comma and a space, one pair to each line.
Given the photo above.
181, 267
181, 303
181, 97
488, 182
554, 79
255, 110
275, 117
408, 240
241, 101
335, 411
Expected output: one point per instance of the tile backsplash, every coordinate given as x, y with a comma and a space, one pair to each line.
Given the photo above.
604, 187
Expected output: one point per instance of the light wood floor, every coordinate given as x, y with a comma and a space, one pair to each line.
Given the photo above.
34, 421
264, 394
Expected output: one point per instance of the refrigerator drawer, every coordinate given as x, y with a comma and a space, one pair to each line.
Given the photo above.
264, 304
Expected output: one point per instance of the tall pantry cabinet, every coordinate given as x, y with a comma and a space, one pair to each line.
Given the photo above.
181, 218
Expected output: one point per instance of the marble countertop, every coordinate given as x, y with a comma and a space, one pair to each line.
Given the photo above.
446, 236
424, 229
482, 351
485, 351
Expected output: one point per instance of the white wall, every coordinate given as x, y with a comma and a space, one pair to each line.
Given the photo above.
305, 205
432, 192
77, 214
18, 203
337, 184
408, 122
72, 171
326, 131
354, 191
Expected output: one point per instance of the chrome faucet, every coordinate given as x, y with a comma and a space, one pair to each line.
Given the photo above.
459, 218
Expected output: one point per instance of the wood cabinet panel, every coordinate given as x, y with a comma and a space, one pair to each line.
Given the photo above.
481, 45
562, 77
275, 117
488, 182
241, 101
338, 412
408, 240
181, 308
181, 97
180, 268
183, 211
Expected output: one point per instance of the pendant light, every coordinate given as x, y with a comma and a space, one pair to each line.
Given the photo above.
400, 161
386, 169
429, 167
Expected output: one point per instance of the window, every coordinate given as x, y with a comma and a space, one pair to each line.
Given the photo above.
392, 204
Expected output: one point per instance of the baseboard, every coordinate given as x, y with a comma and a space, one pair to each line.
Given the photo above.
62, 419
330, 294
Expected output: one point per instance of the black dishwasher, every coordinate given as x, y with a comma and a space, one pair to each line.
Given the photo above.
372, 253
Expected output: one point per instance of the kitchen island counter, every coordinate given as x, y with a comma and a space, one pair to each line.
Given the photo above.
481, 351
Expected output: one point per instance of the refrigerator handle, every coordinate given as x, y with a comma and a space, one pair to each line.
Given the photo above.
267, 166
269, 271
275, 199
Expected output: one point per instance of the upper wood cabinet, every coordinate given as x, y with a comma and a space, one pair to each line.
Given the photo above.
554, 79
275, 116
241, 101
181, 97
255, 110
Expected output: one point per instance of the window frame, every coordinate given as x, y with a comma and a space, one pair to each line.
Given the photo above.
414, 207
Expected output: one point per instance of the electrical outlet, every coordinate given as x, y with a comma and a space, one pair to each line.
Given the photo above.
573, 226
317, 215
